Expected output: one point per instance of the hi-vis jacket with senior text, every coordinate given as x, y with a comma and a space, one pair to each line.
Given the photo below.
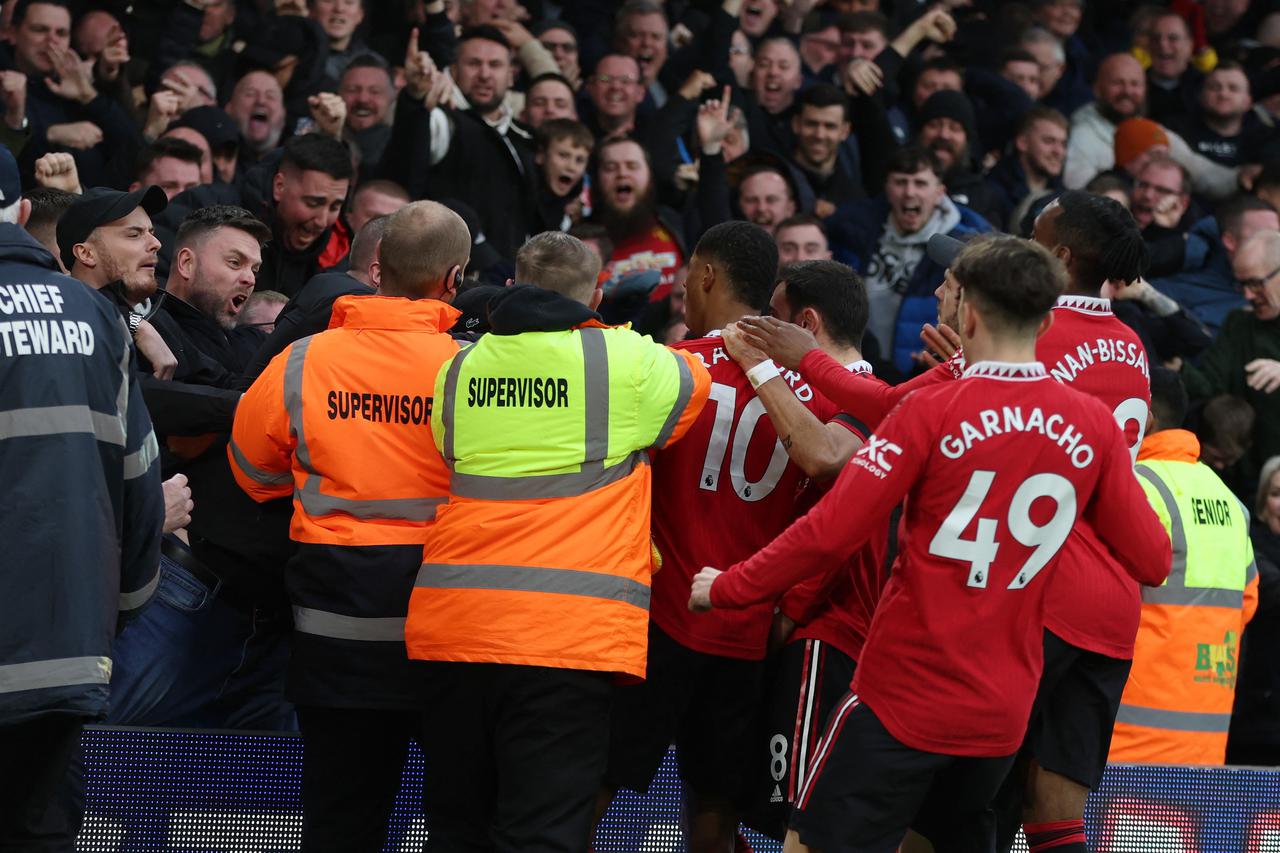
82, 506
542, 555
1176, 707
341, 420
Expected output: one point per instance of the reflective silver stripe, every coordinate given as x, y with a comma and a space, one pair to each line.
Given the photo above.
122, 396
593, 473
337, 626
60, 672
293, 400
138, 463
448, 404
258, 475
682, 400
1251, 572
592, 476
1175, 590
137, 598
316, 503
534, 579
595, 376
1178, 721
59, 420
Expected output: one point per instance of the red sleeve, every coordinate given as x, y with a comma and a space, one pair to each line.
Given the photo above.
875, 480
1123, 519
866, 398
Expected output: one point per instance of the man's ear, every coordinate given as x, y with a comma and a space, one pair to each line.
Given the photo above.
707, 278
810, 320
1063, 253
184, 263
277, 187
84, 255
597, 296
24, 211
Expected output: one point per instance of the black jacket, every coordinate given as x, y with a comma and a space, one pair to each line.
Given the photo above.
82, 507
494, 174
244, 542
307, 313
1255, 722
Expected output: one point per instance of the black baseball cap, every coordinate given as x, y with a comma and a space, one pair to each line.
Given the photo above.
943, 249
218, 128
100, 206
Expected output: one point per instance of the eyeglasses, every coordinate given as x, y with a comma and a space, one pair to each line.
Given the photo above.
624, 79
1246, 284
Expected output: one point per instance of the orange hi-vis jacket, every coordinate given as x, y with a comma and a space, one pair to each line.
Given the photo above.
1176, 707
342, 422
542, 556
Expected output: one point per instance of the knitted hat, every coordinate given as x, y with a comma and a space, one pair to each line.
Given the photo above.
1135, 137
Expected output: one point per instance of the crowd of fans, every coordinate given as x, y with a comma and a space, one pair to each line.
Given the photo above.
849, 129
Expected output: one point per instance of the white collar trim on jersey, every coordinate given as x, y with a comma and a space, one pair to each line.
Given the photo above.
859, 367
1085, 304
1027, 371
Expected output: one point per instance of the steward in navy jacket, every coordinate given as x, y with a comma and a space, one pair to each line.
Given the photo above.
82, 507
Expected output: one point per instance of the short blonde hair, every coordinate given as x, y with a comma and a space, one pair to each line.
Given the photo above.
423, 241
556, 261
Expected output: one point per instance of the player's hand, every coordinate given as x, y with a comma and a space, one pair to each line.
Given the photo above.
75, 76
329, 112
700, 595
785, 343
177, 503
57, 170
163, 362
740, 349
1263, 375
13, 90
81, 135
713, 123
941, 339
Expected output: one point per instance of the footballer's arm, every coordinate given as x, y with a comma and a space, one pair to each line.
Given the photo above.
818, 449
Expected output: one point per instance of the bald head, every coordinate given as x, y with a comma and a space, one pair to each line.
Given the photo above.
426, 247
1121, 88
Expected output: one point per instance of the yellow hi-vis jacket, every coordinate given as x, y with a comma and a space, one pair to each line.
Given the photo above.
1176, 707
542, 555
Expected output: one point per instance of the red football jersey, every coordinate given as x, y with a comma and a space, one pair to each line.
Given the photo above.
836, 608
1093, 603
720, 494
996, 470
654, 248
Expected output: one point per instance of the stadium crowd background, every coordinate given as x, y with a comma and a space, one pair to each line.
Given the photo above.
848, 129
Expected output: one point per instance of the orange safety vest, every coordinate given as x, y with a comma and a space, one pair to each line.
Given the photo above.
542, 556
341, 420
1176, 707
